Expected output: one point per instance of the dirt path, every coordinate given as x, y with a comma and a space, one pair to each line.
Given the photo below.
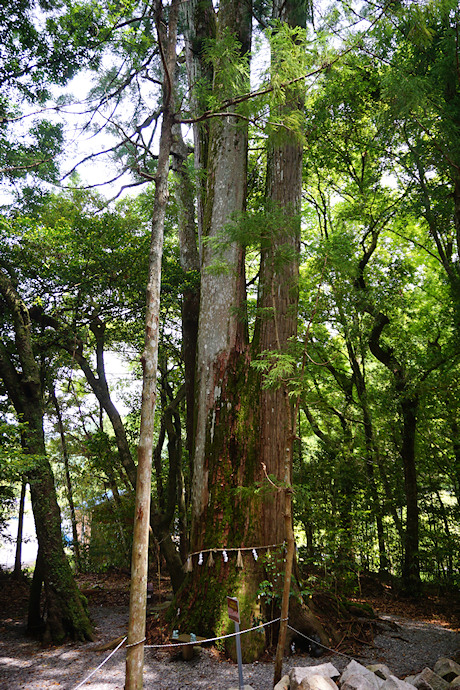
405, 645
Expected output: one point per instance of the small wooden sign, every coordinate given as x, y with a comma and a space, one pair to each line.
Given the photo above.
233, 609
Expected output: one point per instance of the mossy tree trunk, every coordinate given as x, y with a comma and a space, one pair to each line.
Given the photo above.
65, 612
223, 514
234, 433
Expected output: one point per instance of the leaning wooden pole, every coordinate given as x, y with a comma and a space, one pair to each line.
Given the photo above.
139, 562
290, 548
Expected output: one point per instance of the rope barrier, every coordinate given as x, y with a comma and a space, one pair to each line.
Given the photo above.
176, 644
212, 639
101, 665
134, 644
201, 642
329, 649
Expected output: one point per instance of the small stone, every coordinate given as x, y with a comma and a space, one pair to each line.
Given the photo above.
455, 683
380, 670
410, 679
282, 684
429, 679
447, 669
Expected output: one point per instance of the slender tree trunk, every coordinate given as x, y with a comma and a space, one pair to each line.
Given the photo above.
408, 403
190, 263
100, 388
139, 566
411, 565
35, 622
65, 455
375, 504
17, 559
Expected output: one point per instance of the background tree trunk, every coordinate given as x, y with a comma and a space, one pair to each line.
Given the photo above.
17, 559
68, 481
65, 612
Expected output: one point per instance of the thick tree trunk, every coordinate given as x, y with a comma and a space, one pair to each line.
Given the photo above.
200, 26
278, 295
223, 515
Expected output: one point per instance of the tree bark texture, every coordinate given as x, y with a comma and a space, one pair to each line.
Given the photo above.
222, 334
278, 301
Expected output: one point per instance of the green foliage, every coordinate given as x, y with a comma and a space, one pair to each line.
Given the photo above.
230, 67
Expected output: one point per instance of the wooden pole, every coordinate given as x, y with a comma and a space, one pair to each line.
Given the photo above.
290, 547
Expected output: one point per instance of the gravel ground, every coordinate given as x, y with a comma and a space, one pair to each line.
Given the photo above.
406, 646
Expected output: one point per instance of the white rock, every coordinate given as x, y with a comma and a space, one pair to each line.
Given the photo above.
316, 682
298, 673
354, 668
356, 681
282, 684
394, 683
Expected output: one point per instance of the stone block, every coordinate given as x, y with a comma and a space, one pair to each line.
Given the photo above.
394, 683
315, 682
354, 668
356, 681
429, 680
447, 669
380, 670
298, 673
282, 684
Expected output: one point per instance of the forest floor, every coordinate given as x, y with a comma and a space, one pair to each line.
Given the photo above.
406, 635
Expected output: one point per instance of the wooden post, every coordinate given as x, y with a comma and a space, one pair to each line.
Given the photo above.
290, 546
